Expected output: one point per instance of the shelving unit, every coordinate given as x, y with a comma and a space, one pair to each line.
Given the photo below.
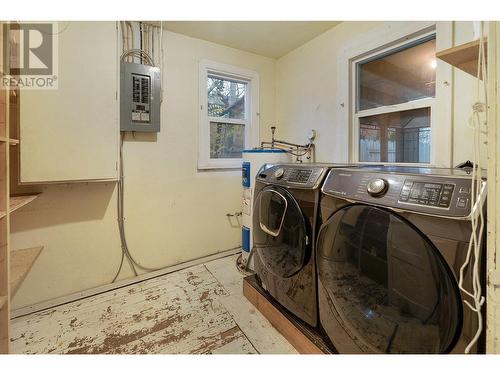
4, 220
11, 141
3, 301
463, 57
21, 262
16, 202
14, 265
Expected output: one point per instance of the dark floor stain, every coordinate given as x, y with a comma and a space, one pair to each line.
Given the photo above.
115, 342
204, 296
152, 298
80, 345
209, 344
137, 318
193, 279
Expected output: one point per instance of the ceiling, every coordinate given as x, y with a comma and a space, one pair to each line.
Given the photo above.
267, 38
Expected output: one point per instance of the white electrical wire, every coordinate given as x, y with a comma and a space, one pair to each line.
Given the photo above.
129, 53
145, 43
140, 54
122, 29
161, 62
478, 190
150, 39
130, 39
127, 40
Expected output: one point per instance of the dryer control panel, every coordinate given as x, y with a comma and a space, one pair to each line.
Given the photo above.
292, 175
443, 195
427, 193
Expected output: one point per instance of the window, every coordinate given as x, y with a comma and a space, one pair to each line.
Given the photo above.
228, 114
394, 92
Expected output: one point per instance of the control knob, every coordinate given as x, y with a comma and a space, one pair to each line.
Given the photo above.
278, 173
377, 187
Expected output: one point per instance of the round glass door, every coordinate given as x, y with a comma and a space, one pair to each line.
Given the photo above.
280, 233
386, 283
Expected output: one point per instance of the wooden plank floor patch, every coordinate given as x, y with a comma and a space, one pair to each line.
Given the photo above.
182, 312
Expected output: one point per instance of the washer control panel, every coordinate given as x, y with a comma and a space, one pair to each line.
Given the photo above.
432, 194
427, 193
300, 176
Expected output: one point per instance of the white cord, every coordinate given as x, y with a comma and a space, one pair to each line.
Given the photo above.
161, 62
130, 39
478, 190
122, 29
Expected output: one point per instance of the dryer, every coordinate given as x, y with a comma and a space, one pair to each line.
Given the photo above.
388, 259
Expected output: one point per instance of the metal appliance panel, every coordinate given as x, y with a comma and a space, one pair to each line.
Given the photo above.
448, 196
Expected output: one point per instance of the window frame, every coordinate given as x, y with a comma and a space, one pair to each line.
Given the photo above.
412, 104
251, 121
387, 37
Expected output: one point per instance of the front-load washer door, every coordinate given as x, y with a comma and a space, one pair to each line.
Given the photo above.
280, 232
383, 286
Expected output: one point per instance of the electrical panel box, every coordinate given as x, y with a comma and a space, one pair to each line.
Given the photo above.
139, 97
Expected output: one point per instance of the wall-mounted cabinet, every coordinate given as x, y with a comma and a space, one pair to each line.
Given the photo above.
72, 133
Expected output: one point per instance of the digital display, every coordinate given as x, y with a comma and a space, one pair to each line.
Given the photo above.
427, 194
300, 176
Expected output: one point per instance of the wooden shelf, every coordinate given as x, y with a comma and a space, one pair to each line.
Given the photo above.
16, 202
3, 301
21, 262
11, 141
463, 57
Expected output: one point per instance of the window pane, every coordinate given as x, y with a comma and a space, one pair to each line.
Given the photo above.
226, 98
227, 141
398, 77
398, 137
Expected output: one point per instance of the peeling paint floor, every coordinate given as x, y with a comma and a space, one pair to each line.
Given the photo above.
197, 310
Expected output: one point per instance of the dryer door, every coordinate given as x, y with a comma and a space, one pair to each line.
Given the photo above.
383, 286
280, 233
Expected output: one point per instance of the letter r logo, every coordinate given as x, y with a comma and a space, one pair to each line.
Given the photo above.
34, 43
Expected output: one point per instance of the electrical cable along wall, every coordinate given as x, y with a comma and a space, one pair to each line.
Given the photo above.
141, 95
140, 100
140, 76
479, 124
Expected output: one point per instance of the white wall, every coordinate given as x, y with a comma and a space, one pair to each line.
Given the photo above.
306, 83
306, 93
173, 212
463, 98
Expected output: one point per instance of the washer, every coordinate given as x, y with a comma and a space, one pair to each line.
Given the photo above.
388, 260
